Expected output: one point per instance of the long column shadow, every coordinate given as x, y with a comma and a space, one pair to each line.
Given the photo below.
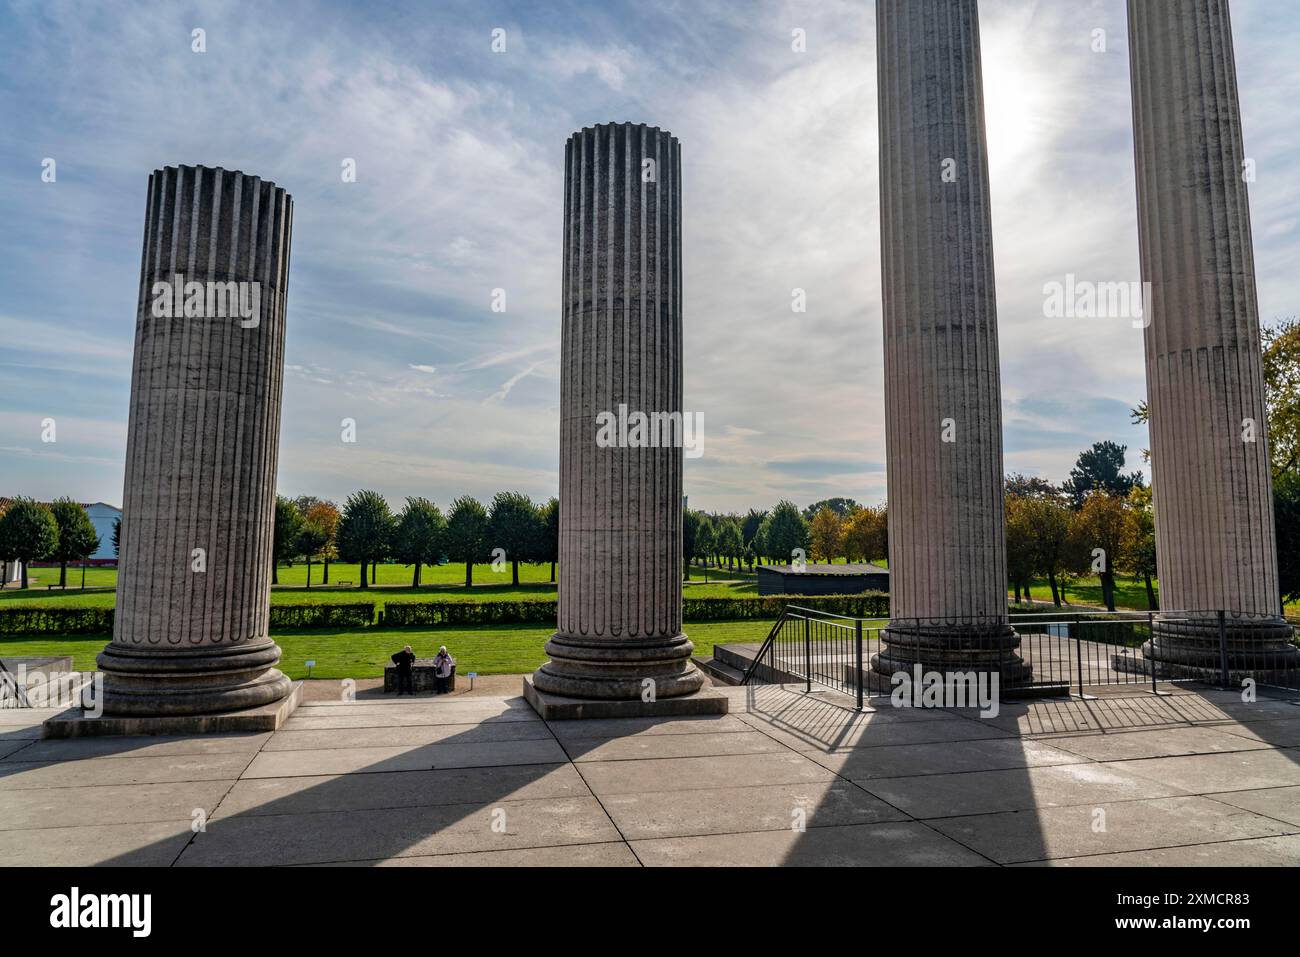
442, 797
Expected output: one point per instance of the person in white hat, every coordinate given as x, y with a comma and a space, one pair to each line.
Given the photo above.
443, 665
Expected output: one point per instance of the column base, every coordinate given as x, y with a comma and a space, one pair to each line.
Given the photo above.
1259, 648
144, 681
951, 648
618, 670
551, 707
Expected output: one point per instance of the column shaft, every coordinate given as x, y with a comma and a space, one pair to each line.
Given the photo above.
620, 568
1212, 485
190, 632
947, 558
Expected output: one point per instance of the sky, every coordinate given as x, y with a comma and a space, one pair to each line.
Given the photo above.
459, 155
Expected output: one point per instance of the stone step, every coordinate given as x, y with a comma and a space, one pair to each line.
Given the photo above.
719, 671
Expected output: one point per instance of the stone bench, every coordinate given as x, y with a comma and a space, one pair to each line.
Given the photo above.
423, 677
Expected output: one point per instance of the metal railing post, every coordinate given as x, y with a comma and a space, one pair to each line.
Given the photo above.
807, 655
1078, 652
861, 676
1223, 646
1151, 635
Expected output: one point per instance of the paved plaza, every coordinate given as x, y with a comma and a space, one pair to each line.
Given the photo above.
1193, 777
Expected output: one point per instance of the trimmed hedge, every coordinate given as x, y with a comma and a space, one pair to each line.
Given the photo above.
869, 604
28, 620
542, 611
61, 621
522, 611
341, 615
24, 620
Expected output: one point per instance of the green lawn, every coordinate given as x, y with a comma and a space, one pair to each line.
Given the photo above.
1087, 591
486, 649
443, 583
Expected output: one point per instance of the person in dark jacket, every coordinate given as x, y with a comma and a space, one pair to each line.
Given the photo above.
404, 659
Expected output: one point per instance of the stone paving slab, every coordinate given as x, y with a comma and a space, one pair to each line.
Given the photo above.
12, 747
1265, 708
415, 782
613, 854
981, 792
1253, 852
1281, 804
19, 732
426, 707
1070, 715
279, 764
393, 789
1279, 733
873, 732
656, 814
1063, 832
125, 845
607, 728
1160, 743
778, 699
671, 746
902, 760
144, 746
375, 718
24, 717
684, 774
1235, 771
103, 771
398, 832
108, 804
427, 701
408, 737
863, 845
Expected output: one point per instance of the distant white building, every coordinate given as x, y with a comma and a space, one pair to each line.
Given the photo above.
102, 516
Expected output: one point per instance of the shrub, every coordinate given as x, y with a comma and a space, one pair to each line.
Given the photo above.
541, 611
342, 615
28, 620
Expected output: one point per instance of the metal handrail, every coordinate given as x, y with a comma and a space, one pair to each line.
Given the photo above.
762, 649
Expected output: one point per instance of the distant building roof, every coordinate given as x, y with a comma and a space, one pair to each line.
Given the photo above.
862, 568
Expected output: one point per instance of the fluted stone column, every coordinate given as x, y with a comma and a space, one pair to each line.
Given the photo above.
620, 557
943, 418
190, 635
1215, 536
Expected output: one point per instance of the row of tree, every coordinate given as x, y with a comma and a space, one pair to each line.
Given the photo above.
836, 528
366, 531
1047, 538
32, 531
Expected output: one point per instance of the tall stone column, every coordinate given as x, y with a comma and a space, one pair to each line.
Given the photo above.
1215, 536
943, 416
190, 635
620, 558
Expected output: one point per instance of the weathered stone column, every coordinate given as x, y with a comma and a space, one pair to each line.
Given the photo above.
943, 416
1215, 536
193, 593
620, 559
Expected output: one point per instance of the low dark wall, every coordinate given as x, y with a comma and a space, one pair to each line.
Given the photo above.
773, 582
